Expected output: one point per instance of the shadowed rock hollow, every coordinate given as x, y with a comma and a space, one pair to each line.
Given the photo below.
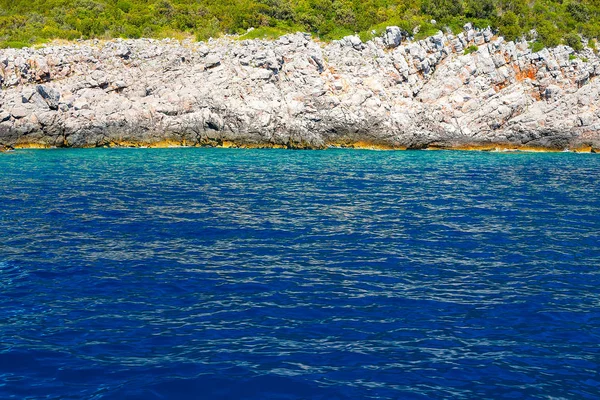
296, 92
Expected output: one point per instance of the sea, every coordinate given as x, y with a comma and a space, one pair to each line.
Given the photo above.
195, 273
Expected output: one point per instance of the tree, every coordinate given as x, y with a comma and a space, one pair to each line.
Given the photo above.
482, 9
442, 9
518, 7
509, 26
548, 34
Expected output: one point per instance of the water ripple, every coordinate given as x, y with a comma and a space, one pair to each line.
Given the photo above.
213, 273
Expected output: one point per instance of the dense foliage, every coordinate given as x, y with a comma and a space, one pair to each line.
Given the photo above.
25, 22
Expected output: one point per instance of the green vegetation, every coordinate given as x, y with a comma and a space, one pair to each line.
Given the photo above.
471, 49
27, 22
592, 44
536, 46
573, 40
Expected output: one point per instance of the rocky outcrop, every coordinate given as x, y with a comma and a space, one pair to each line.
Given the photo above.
296, 92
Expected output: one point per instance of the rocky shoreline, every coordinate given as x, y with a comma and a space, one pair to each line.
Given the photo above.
296, 92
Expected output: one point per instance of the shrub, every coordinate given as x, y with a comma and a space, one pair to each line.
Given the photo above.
573, 40
264, 32
124, 6
536, 46
592, 44
578, 11
13, 44
471, 49
30, 21
208, 30
426, 29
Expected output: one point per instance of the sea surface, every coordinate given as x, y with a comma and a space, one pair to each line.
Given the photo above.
274, 274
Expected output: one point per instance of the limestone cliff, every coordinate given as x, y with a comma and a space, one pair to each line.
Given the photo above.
297, 92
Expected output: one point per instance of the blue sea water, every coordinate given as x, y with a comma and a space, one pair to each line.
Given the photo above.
273, 274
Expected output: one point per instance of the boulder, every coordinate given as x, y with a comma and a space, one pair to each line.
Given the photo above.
352, 41
122, 50
81, 104
50, 95
487, 34
212, 61
438, 40
392, 37
19, 112
261, 74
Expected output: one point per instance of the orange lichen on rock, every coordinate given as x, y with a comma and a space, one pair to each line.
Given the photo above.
529, 73
499, 86
583, 149
366, 145
31, 146
363, 145
498, 147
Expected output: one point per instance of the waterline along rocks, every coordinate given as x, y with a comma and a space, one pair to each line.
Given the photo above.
297, 92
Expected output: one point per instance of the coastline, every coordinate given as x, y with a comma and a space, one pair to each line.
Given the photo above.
498, 148
391, 93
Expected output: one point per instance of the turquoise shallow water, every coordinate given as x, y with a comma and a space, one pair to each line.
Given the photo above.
267, 274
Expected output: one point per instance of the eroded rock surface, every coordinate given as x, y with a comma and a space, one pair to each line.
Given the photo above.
296, 92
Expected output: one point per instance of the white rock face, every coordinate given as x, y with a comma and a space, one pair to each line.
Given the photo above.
297, 92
